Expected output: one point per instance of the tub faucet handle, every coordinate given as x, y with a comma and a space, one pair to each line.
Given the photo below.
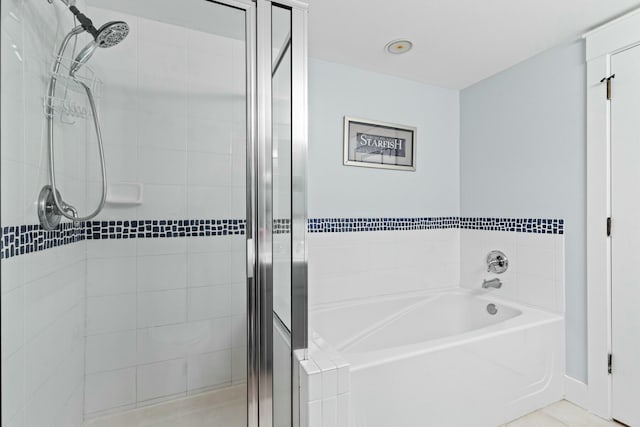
497, 262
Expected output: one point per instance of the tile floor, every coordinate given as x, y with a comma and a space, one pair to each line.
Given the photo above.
226, 408
561, 414
218, 408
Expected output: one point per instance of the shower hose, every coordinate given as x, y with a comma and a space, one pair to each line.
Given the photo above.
67, 210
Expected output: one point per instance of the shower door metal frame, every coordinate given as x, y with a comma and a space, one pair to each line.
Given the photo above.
252, 299
299, 143
263, 322
264, 201
259, 228
260, 197
299, 146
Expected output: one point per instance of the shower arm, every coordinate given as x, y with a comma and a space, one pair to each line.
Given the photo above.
66, 2
62, 207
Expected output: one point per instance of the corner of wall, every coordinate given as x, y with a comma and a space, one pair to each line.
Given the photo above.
324, 378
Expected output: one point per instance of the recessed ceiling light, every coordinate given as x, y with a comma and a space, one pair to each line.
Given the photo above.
398, 46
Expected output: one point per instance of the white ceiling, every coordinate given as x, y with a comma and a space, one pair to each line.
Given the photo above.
456, 42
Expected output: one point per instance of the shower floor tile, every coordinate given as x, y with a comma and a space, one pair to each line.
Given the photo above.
219, 408
227, 408
561, 414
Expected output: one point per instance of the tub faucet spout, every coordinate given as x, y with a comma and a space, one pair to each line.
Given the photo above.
493, 283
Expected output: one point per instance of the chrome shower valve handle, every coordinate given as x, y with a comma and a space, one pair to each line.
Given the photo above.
497, 262
50, 213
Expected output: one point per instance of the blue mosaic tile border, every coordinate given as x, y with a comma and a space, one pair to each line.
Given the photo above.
150, 229
25, 239
519, 225
345, 225
281, 226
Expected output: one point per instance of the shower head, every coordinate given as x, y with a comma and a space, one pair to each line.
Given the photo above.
110, 34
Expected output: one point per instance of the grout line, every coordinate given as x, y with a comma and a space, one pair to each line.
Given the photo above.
137, 312
86, 326
186, 320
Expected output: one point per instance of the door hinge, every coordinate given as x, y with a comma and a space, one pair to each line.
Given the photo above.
609, 362
608, 81
608, 226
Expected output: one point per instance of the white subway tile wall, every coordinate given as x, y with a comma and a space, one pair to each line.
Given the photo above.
166, 378
345, 266
43, 321
43, 303
181, 319
174, 317
536, 266
111, 389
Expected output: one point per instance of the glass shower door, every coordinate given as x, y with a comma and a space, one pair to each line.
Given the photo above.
141, 319
175, 106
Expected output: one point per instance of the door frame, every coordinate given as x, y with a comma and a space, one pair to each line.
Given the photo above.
601, 43
260, 325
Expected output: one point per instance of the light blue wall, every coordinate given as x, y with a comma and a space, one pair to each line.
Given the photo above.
523, 154
513, 145
336, 190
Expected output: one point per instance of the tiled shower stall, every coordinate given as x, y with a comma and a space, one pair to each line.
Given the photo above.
140, 317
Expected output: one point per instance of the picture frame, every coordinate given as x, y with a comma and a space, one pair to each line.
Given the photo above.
374, 144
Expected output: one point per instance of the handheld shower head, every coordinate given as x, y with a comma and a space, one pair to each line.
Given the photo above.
110, 34
85, 54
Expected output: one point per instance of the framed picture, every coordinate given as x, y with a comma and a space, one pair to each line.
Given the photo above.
379, 145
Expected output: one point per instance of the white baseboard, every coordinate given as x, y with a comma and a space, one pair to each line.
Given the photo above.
576, 392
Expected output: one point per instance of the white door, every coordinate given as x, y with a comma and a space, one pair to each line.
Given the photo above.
625, 237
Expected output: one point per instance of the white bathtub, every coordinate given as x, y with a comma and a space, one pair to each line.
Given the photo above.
442, 360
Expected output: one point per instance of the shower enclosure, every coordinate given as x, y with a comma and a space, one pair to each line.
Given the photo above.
182, 301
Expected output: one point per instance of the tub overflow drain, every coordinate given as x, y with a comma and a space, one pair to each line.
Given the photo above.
492, 309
